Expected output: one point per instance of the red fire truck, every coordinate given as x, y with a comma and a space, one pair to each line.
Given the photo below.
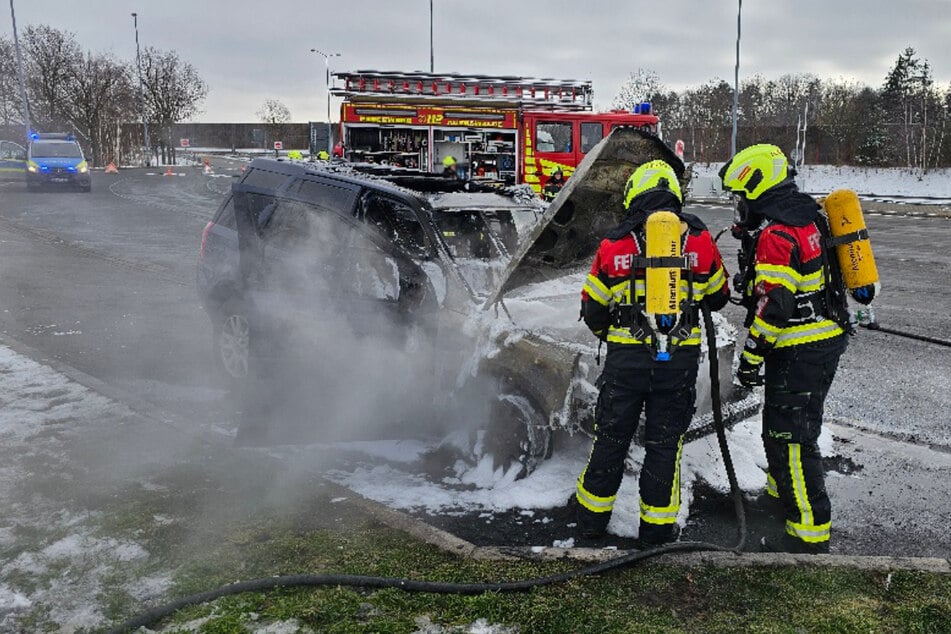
498, 129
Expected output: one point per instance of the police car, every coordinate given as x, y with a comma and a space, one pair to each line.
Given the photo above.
56, 159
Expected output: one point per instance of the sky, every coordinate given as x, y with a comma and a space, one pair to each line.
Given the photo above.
249, 51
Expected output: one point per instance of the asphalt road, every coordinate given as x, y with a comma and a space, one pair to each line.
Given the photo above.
104, 282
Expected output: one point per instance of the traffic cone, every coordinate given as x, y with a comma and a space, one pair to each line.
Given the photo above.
208, 169
168, 172
111, 168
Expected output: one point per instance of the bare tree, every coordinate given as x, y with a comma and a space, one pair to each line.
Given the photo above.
641, 85
50, 57
173, 92
274, 111
10, 102
100, 95
840, 116
275, 115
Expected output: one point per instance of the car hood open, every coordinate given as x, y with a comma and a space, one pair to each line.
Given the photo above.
590, 203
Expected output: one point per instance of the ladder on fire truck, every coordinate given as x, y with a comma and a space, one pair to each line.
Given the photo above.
517, 92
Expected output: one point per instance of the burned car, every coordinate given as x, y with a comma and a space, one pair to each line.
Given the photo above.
349, 301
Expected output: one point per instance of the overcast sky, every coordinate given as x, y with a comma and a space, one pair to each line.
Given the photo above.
251, 50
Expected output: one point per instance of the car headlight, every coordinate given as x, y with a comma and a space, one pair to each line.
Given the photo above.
82, 168
32, 167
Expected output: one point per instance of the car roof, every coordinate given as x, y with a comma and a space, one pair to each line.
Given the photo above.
436, 191
477, 200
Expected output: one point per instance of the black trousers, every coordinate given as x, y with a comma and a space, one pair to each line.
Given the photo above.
632, 384
797, 383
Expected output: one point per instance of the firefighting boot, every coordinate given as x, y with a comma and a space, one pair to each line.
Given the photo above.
789, 544
591, 525
653, 535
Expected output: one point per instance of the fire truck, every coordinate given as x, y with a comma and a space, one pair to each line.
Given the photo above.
500, 130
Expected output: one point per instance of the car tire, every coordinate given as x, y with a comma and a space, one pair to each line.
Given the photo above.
518, 434
232, 341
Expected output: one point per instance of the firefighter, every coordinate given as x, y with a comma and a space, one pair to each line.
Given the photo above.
636, 377
796, 330
449, 167
555, 182
323, 155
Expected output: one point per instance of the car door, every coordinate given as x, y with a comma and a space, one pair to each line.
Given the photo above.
12, 161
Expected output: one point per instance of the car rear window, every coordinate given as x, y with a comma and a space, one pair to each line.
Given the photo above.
264, 179
225, 215
326, 195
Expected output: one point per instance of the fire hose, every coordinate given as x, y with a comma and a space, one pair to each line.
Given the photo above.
908, 335
410, 585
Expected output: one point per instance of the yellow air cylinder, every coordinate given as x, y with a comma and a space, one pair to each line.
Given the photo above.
663, 282
855, 253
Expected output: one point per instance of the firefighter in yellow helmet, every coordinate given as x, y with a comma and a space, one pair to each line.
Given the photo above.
323, 155
797, 319
639, 377
449, 167
295, 155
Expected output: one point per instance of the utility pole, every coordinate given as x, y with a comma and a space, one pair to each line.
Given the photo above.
138, 63
327, 56
431, 54
26, 103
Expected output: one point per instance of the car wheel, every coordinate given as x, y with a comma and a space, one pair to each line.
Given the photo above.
518, 434
232, 340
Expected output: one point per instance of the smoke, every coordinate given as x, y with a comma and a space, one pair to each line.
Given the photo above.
350, 339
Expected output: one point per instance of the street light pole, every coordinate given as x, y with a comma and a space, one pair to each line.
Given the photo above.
16, 44
138, 63
736, 79
327, 57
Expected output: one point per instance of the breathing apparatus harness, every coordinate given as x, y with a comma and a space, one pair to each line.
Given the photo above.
836, 294
660, 329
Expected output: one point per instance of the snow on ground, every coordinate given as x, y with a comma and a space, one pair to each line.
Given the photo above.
878, 183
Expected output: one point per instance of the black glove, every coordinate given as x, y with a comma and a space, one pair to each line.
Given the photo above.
748, 373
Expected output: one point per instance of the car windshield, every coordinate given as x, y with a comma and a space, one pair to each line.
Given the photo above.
482, 241
56, 150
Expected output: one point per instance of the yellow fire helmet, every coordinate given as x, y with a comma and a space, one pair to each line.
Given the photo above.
650, 176
755, 170
449, 160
